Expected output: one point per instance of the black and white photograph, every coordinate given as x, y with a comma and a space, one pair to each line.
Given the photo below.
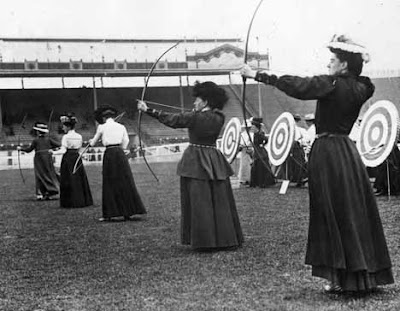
199, 155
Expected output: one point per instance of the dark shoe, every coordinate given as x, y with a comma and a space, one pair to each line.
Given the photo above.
333, 289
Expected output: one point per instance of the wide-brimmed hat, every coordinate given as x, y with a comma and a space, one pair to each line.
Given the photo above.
41, 127
103, 111
309, 117
344, 43
256, 121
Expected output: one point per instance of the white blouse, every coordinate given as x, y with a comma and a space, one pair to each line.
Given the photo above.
71, 140
111, 133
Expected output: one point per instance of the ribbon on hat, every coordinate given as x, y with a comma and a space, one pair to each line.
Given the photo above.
344, 43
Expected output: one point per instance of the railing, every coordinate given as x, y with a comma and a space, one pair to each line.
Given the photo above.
163, 153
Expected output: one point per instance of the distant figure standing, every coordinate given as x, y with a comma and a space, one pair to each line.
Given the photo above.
74, 188
46, 180
392, 164
261, 173
120, 196
245, 155
296, 162
311, 133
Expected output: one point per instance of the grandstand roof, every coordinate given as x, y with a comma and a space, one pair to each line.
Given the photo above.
194, 40
112, 73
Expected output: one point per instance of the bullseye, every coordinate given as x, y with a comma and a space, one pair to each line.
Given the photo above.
281, 138
231, 139
379, 132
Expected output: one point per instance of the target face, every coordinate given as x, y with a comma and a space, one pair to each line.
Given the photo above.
379, 131
230, 139
281, 138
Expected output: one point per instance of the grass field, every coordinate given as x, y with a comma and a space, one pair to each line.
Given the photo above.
63, 259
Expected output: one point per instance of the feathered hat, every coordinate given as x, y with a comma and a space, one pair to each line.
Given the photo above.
257, 121
344, 43
68, 119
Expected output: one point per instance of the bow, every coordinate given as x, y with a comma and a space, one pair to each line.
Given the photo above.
244, 87
76, 165
50, 117
19, 151
140, 112
168, 106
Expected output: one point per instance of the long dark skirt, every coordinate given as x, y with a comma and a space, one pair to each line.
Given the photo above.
346, 242
46, 180
74, 188
297, 165
209, 216
120, 196
261, 174
392, 164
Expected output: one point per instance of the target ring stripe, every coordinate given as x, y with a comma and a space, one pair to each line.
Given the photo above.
379, 131
281, 138
230, 139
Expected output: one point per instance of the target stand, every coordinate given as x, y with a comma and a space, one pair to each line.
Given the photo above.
280, 142
231, 139
379, 132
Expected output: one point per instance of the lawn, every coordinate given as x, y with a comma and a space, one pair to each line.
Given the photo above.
64, 259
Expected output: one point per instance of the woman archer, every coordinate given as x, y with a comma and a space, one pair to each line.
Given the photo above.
46, 179
346, 243
209, 216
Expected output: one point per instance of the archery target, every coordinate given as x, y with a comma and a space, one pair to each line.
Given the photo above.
379, 130
281, 138
230, 139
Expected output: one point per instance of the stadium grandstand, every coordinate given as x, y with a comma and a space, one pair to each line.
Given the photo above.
43, 78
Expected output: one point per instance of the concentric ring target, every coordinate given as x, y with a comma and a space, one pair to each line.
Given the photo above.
281, 138
230, 139
379, 131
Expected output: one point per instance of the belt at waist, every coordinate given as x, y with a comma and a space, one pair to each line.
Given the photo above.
203, 146
113, 146
326, 134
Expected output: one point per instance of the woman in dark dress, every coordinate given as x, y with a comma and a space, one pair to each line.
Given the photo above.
46, 180
346, 242
209, 216
296, 162
74, 188
261, 174
120, 196
392, 164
